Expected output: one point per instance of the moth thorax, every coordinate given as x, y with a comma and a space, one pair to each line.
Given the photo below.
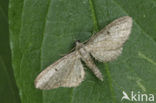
83, 52
78, 45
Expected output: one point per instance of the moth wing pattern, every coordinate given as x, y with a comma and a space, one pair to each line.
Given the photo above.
105, 56
66, 72
106, 45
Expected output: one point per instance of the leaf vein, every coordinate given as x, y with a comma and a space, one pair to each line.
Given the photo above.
146, 58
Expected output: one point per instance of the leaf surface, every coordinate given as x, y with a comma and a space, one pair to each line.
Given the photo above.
8, 89
42, 31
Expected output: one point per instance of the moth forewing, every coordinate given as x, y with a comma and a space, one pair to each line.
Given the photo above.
66, 72
107, 44
106, 56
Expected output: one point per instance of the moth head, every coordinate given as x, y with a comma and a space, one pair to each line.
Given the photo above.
78, 44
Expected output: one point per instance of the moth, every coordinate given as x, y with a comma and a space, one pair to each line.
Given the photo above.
104, 46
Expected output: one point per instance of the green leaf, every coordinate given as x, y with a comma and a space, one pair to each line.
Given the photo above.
8, 89
41, 31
